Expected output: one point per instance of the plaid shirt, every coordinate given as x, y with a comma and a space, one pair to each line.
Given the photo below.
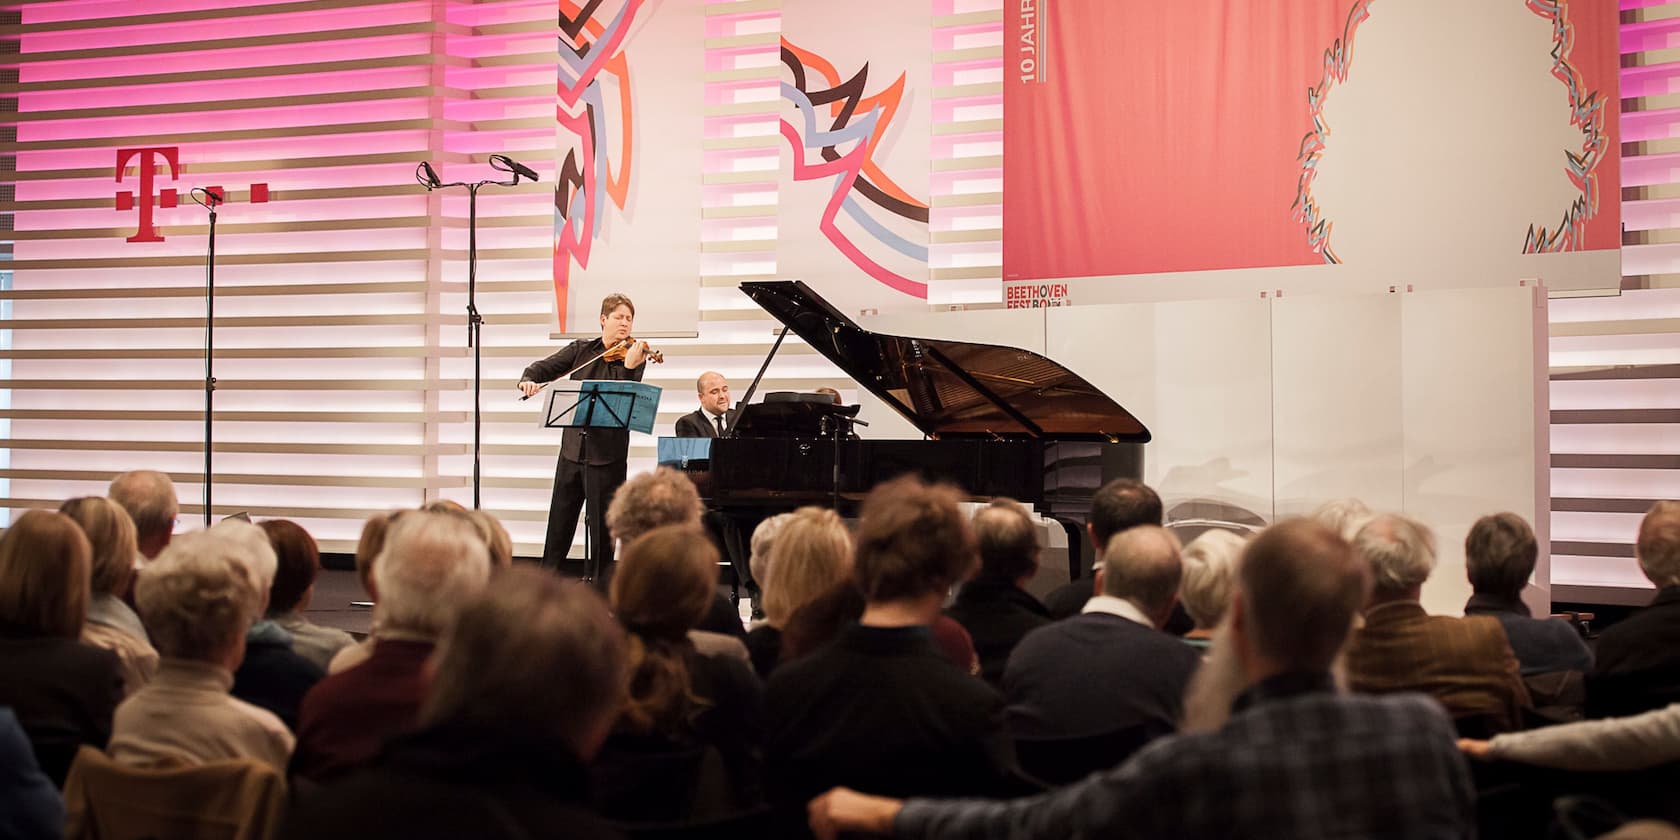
1294, 760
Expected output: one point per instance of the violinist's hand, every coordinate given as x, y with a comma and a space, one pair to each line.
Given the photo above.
529, 388
843, 810
636, 355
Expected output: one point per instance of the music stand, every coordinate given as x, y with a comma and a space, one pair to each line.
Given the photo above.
599, 404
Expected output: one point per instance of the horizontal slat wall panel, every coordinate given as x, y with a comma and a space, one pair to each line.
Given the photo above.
966, 216
310, 117
1615, 391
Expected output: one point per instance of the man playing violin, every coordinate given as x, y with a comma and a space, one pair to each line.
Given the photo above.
609, 449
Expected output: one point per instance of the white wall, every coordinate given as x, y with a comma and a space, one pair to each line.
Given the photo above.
1431, 403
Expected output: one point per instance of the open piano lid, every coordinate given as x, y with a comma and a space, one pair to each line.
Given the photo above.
953, 388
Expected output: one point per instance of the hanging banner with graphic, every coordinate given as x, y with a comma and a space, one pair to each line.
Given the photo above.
629, 107
1460, 142
855, 124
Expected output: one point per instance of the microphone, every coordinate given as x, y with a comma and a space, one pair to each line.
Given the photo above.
507, 164
213, 195
427, 176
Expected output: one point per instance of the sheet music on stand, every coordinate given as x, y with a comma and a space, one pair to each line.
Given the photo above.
602, 404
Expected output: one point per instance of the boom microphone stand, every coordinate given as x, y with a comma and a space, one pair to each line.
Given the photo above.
428, 178
209, 198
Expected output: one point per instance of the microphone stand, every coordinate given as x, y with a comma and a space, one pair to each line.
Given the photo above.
209, 200
475, 322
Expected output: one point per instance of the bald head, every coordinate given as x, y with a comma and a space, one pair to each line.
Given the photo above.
1142, 565
1300, 587
713, 391
149, 498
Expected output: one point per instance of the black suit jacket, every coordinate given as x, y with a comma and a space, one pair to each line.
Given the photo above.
606, 446
698, 423
997, 614
882, 711
1637, 666
1096, 673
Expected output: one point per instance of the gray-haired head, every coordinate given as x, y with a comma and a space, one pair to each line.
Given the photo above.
431, 563
1400, 552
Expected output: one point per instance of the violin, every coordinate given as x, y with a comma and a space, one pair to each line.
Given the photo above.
617, 352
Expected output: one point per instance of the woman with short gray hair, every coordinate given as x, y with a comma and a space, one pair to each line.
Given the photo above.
197, 599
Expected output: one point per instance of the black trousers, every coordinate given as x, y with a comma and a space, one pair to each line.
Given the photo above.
732, 534
574, 485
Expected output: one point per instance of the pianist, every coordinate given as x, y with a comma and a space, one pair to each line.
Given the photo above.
714, 418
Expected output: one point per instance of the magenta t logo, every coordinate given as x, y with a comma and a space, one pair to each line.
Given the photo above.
148, 167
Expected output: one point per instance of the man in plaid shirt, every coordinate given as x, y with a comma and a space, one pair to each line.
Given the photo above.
1290, 757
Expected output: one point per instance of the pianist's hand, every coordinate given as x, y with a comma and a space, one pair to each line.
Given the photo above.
529, 388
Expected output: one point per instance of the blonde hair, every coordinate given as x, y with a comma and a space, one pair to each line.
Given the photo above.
370, 543
44, 570
111, 535
811, 554
198, 596
496, 539
1210, 573
763, 538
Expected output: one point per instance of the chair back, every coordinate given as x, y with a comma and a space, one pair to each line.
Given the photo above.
644, 783
1061, 761
754, 824
238, 799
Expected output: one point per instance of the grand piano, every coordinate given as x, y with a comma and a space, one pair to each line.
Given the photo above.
998, 421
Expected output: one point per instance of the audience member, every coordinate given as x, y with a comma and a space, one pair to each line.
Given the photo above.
1638, 658
881, 708
682, 705
111, 623
271, 675
1637, 742
811, 555
62, 691
1344, 516
149, 498
821, 621
1499, 556
1109, 669
1210, 570
1466, 663
763, 539
198, 599
30, 805
368, 546
995, 607
429, 565
529, 681
666, 497
496, 539
1294, 758
298, 562
1118, 505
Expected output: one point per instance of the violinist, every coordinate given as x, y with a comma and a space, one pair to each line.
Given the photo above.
615, 355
